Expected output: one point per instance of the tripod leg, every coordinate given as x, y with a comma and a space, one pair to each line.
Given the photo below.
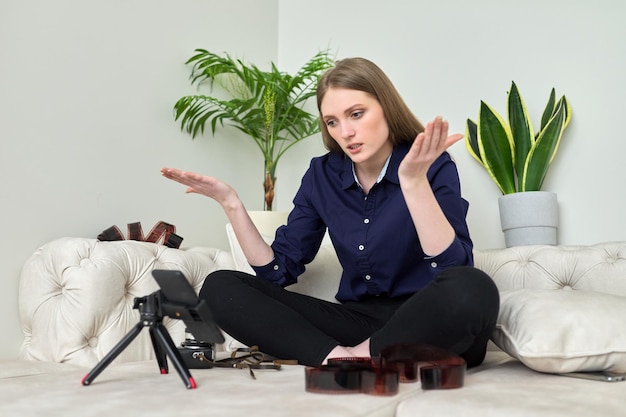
159, 353
168, 344
106, 361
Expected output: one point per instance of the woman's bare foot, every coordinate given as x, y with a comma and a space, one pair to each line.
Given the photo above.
337, 352
362, 350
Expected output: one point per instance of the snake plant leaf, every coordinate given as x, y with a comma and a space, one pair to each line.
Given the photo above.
568, 114
544, 150
521, 128
471, 140
549, 111
511, 152
496, 148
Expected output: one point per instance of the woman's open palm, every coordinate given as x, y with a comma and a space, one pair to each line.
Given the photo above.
201, 184
427, 147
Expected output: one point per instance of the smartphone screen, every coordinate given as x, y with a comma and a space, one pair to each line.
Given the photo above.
181, 302
598, 376
175, 286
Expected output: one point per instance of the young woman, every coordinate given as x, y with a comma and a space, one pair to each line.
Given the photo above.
389, 195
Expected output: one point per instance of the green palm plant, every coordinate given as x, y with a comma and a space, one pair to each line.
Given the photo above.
515, 157
268, 106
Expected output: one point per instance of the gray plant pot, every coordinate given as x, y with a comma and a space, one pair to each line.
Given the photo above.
529, 218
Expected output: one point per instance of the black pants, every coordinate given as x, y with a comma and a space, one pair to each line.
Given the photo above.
457, 312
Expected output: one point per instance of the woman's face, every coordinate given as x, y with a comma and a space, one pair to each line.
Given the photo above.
355, 120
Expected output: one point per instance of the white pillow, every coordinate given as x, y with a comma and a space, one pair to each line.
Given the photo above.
560, 331
320, 279
241, 263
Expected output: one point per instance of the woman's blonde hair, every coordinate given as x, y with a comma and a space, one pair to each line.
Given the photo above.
363, 75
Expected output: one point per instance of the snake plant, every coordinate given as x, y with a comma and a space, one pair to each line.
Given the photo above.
517, 158
268, 106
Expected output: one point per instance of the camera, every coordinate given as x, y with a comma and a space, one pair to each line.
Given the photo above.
196, 354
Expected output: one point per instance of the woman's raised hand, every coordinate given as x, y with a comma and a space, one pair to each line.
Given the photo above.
256, 250
202, 184
427, 147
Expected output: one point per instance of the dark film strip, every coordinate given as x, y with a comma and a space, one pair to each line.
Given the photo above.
436, 369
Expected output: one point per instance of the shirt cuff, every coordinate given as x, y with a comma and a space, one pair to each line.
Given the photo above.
271, 272
454, 255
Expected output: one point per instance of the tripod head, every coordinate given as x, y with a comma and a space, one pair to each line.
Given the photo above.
149, 307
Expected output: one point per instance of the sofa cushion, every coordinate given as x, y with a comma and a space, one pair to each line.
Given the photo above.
563, 330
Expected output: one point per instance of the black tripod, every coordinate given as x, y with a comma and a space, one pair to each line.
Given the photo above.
151, 315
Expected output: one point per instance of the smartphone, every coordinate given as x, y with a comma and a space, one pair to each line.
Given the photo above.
175, 287
179, 301
598, 376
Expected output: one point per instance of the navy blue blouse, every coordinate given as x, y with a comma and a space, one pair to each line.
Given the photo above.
373, 235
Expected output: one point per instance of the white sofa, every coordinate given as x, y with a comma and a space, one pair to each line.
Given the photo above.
563, 309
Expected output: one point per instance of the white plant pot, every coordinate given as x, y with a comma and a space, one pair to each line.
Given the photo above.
268, 221
529, 218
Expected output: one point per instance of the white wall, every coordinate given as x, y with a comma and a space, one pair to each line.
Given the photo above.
446, 55
87, 89
86, 122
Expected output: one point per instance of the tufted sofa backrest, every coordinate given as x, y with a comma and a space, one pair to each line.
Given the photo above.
600, 267
76, 296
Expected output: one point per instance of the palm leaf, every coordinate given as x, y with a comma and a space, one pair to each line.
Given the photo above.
268, 105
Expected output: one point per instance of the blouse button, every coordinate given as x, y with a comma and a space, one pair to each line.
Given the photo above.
368, 277
361, 247
433, 264
366, 221
275, 267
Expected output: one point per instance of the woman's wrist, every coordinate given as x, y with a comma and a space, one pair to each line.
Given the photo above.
232, 205
413, 184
